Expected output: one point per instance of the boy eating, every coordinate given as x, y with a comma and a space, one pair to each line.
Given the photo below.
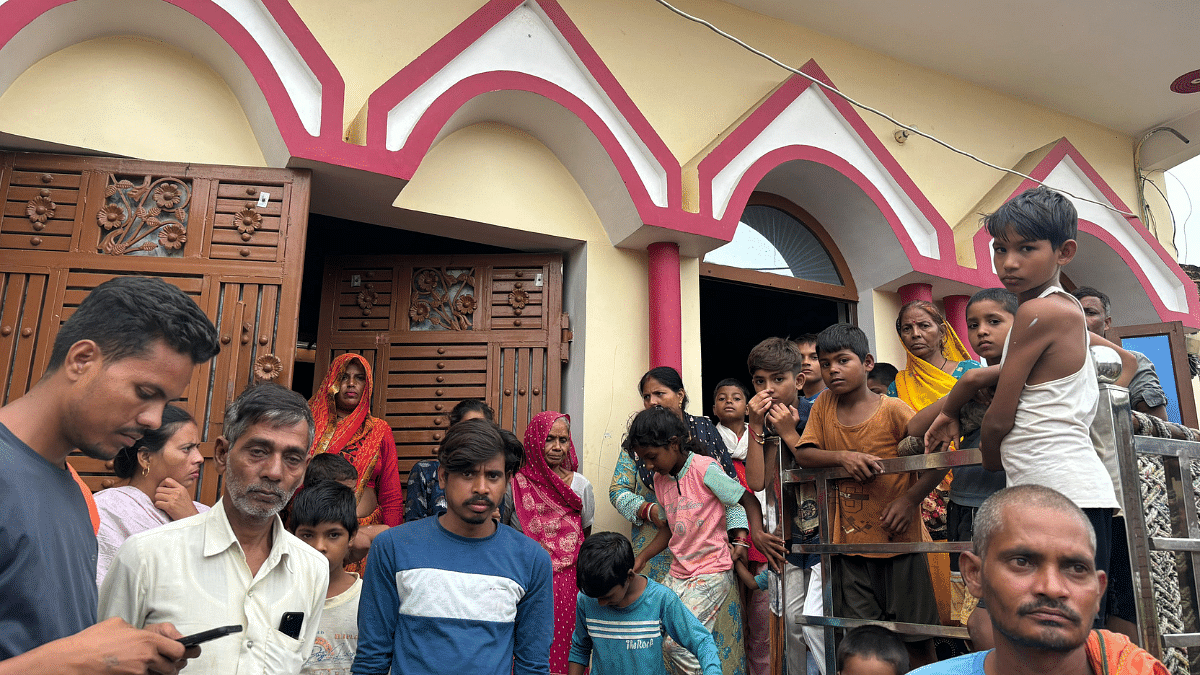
853, 428
620, 616
323, 516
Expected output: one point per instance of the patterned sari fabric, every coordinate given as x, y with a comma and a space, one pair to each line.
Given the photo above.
1113, 654
551, 513
364, 440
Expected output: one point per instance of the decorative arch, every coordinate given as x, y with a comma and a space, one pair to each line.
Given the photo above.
801, 123
290, 89
528, 55
1121, 256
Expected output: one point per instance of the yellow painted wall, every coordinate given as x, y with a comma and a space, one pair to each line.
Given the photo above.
692, 84
887, 346
492, 173
131, 96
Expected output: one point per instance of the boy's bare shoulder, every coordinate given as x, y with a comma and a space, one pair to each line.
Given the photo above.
1052, 312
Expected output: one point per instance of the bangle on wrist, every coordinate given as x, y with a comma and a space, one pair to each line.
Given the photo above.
761, 438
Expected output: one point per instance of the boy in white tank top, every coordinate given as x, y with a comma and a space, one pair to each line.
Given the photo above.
1037, 426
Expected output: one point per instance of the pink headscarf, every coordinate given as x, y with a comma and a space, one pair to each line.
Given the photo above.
549, 510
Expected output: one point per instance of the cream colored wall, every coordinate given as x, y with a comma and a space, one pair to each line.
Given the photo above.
131, 96
886, 345
492, 173
692, 84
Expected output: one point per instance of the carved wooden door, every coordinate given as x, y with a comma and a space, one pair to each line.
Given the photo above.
231, 238
441, 329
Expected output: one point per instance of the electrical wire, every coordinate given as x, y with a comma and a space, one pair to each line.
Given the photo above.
1191, 210
1162, 194
875, 111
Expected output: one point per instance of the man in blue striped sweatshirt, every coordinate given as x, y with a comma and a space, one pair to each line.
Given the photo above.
620, 616
458, 592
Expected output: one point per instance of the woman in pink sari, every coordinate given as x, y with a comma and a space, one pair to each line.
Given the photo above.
555, 506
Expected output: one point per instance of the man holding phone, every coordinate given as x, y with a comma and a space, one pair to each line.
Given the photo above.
235, 564
128, 349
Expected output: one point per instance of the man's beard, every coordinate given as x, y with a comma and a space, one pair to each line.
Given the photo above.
240, 494
1052, 641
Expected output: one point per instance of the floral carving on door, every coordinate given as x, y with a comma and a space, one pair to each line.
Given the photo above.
146, 219
442, 299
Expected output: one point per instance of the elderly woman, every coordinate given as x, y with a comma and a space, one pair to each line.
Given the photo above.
936, 359
341, 409
161, 470
632, 494
555, 506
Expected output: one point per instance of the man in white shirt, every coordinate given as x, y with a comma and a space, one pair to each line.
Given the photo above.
235, 564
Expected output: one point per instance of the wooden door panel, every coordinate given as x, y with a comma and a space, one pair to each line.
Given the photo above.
22, 305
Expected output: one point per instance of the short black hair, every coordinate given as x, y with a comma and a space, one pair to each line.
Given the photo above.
471, 443
731, 382
267, 403
514, 451
1009, 300
152, 440
775, 355
841, 336
325, 501
874, 642
667, 377
329, 466
125, 315
1035, 214
657, 427
1089, 292
883, 373
806, 339
605, 560
471, 405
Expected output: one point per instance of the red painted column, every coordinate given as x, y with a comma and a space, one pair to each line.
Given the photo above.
911, 292
666, 306
956, 316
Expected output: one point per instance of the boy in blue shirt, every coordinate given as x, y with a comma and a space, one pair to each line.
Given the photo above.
620, 617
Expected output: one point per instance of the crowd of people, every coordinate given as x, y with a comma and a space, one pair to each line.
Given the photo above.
316, 560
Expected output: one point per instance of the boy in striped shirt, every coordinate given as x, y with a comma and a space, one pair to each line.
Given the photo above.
621, 617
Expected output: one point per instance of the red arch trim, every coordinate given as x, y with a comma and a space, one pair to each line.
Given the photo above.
433, 60
16, 16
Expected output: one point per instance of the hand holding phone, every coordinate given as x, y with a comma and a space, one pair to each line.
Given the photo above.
190, 641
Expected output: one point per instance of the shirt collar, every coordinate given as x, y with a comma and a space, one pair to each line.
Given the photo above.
219, 536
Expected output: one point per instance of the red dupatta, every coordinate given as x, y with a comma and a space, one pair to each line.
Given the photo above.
549, 510
357, 430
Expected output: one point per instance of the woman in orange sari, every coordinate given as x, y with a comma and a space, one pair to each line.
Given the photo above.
341, 409
936, 359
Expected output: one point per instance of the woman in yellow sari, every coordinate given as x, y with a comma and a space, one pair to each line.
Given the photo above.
936, 359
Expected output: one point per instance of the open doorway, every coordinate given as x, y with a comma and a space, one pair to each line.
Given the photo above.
735, 316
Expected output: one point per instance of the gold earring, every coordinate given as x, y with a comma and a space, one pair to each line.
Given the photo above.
145, 471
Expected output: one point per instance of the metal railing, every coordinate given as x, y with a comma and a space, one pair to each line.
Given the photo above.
1112, 425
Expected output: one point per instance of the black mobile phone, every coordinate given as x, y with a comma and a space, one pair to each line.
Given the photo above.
291, 623
190, 641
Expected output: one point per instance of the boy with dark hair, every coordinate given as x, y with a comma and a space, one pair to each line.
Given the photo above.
871, 650
810, 367
620, 616
328, 466
881, 377
1037, 427
424, 497
323, 516
853, 428
778, 411
459, 590
729, 407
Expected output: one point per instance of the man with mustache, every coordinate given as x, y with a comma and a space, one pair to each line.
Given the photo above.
127, 349
1034, 566
235, 564
458, 590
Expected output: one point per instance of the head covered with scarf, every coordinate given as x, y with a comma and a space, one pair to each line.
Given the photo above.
548, 508
921, 383
359, 431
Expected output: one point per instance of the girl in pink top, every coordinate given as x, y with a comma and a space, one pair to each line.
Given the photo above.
695, 492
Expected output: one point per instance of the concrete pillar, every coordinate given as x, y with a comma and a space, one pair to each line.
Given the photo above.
666, 306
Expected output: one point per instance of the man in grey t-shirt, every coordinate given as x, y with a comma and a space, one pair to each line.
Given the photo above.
1145, 392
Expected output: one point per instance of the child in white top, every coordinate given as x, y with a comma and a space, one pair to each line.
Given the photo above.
324, 516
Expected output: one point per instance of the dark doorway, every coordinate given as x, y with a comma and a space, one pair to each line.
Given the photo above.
734, 317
